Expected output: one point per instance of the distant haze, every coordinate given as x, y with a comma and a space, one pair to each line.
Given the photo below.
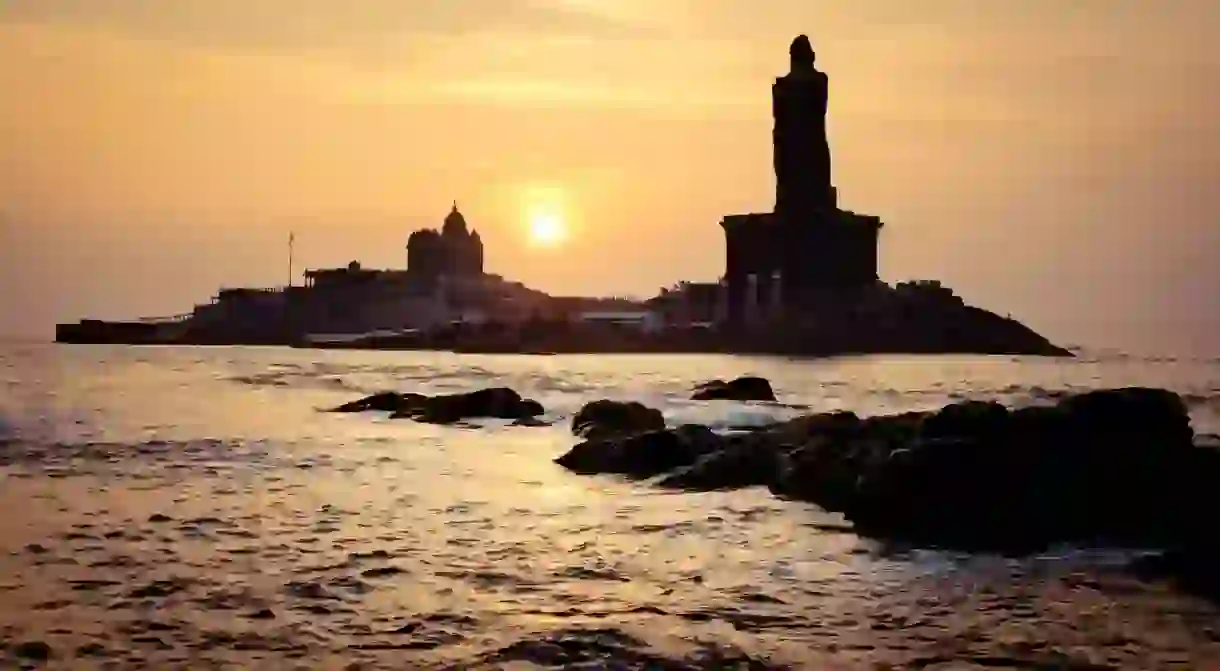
1056, 160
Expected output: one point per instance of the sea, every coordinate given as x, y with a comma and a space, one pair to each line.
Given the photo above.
197, 508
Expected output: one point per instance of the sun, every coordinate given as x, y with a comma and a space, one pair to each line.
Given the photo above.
544, 214
547, 229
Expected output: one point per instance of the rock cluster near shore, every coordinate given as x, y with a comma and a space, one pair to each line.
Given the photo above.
1116, 466
495, 402
747, 388
1110, 467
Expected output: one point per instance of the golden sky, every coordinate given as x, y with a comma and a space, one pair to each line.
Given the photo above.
1054, 159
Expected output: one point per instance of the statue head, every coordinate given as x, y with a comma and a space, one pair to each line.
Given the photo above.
801, 54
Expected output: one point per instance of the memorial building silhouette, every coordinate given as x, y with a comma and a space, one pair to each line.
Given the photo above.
808, 251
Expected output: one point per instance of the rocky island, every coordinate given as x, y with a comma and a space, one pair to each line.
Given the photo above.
801, 279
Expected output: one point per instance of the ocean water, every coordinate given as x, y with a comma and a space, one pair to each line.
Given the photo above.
193, 508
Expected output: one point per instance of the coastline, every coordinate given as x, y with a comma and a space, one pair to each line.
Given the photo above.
659, 348
987, 334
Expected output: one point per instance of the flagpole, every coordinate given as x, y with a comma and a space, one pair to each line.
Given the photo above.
291, 240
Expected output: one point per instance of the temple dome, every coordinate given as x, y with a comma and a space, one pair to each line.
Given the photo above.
454, 222
453, 250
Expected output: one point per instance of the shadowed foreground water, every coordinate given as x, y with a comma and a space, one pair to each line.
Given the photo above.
191, 508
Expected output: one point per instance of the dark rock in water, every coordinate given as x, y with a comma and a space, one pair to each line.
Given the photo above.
497, 402
530, 408
386, 401
986, 419
1127, 419
605, 419
530, 421
643, 455
832, 451
35, 650
740, 389
1113, 467
1105, 466
1191, 569
382, 572
745, 461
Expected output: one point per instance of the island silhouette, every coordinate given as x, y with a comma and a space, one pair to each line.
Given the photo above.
801, 279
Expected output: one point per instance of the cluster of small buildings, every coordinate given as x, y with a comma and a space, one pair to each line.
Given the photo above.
443, 283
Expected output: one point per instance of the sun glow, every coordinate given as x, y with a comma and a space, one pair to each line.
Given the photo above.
547, 229
547, 225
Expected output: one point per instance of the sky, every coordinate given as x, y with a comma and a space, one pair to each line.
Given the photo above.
1053, 160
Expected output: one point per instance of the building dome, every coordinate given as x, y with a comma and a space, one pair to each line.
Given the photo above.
454, 250
454, 222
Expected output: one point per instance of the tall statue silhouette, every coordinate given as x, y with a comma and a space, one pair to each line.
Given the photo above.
802, 151
807, 253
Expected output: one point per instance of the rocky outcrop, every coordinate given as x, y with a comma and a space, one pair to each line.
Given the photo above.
386, 401
741, 389
495, 402
605, 419
741, 461
1114, 466
1189, 568
643, 455
903, 328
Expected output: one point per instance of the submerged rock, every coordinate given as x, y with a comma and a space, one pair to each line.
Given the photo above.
495, 402
386, 401
741, 389
605, 419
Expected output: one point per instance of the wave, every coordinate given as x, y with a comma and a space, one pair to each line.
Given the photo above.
263, 380
1202, 402
1037, 393
355, 378
73, 458
611, 647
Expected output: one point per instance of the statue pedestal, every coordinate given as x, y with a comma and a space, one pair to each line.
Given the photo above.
780, 263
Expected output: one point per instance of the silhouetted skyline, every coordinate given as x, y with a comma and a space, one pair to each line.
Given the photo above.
1056, 162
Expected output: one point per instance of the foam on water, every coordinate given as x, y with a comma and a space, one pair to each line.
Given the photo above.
185, 508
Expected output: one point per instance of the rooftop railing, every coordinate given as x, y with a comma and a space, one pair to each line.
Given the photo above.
172, 319
253, 290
